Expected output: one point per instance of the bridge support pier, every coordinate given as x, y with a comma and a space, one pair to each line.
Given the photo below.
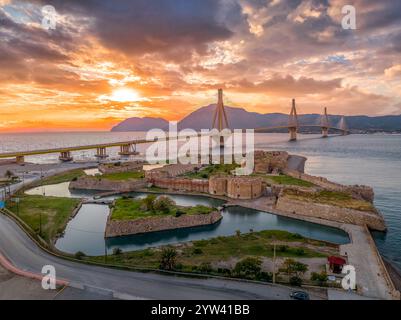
20, 159
293, 133
128, 149
325, 132
65, 156
101, 153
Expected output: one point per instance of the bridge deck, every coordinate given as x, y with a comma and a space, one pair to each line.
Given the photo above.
118, 144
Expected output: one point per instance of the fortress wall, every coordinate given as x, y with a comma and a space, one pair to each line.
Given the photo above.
115, 228
357, 191
373, 220
191, 185
96, 183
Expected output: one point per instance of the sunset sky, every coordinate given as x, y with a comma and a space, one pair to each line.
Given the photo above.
110, 60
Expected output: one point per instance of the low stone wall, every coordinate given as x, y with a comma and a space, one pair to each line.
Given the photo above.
357, 191
373, 220
116, 228
97, 183
122, 167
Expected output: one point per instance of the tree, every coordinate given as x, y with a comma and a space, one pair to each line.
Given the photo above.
295, 270
117, 251
248, 268
168, 259
163, 204
149, 202
9, 174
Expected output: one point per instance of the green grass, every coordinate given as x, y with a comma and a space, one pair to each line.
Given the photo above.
59, 178
211, 170
119, 176
53, 211
334, 198
287, 180
255, 244
132, 209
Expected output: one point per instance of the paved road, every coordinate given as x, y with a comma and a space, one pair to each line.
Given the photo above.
24, 254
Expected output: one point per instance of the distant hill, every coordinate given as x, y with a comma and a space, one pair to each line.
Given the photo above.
239, 118
140, 124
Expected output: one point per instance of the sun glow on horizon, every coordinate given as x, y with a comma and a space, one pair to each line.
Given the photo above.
123, 95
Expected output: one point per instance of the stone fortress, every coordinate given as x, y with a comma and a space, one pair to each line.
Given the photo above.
258, 187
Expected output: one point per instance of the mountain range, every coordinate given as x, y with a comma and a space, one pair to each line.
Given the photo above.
239, 118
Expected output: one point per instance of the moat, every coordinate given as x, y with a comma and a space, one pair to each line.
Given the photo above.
85, 232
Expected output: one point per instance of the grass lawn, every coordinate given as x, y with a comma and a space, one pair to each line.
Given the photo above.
118, 176
208, 171
54, 211
196, 253
131, 209
287, 180
59, 178
334, 198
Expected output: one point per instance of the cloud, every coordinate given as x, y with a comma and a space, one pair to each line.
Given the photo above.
393, 72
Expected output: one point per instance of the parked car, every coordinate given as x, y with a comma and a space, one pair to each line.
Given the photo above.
299, 295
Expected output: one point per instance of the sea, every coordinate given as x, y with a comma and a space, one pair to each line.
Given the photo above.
368, 159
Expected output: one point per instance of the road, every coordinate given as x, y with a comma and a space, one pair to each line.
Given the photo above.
19, 249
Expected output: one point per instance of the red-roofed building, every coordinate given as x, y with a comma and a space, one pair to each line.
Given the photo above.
336, 263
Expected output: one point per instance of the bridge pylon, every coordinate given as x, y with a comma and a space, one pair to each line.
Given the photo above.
343, 126
325, 124
293, 122
220, 121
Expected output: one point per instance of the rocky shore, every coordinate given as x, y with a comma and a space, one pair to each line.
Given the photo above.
116, 228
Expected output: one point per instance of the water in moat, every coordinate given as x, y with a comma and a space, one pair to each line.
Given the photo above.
85, 232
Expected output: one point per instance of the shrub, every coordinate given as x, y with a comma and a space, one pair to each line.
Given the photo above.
205, 267
179, 213
197, 251
264, 276
294, 268
149, 202
79, 255
117, 251
283, 248
163, 204
321, 278
295, 281
74, 179
299, 251
248, 268
168, 258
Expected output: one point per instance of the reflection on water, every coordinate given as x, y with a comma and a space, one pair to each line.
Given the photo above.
60, 190
86, 231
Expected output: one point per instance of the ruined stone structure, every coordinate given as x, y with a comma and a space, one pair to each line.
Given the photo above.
169, 171
270, 161
121, 167
360, 192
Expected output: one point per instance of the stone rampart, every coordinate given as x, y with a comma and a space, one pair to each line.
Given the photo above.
333, 213
182, 184
357, 191
97, 183
116, 228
